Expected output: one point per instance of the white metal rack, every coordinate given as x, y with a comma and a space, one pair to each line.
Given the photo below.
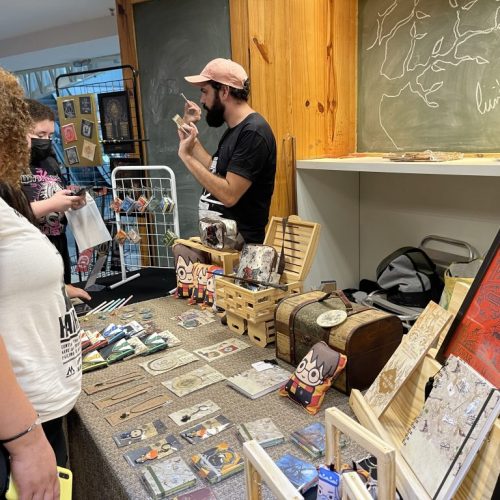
151, 225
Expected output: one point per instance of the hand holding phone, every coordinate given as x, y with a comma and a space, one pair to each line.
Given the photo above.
65, 485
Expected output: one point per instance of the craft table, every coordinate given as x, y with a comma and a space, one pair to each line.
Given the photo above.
98, 466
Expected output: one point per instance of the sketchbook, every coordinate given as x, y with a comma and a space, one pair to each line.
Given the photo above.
255, 384
444, 439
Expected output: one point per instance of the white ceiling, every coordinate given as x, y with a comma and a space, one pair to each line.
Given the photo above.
21, 17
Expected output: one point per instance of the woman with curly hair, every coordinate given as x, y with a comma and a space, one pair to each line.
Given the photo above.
40, 353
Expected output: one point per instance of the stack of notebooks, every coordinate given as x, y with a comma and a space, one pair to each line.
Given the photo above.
263, 430
311, 439
255, 384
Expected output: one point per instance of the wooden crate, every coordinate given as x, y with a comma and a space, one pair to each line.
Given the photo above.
227, 259
300, 243
262, 333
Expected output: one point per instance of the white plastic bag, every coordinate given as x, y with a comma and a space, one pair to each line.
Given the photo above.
87, 225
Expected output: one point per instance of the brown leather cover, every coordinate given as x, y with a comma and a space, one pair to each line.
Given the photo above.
368, 337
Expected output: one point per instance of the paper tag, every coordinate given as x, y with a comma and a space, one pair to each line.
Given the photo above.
260, 366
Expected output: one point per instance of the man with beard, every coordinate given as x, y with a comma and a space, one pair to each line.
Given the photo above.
238, 180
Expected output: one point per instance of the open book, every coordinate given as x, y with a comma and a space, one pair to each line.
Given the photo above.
444, 439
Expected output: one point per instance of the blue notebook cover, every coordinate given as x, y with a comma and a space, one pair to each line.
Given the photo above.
300, 473
311, 438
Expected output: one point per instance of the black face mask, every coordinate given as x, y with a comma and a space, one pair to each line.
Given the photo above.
40, 149
215, 115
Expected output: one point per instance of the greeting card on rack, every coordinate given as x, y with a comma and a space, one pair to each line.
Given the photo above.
455, 420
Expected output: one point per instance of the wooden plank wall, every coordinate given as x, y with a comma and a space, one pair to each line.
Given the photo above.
301, 59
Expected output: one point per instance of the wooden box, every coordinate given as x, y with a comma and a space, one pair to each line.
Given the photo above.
367, 337
227, 259
300, 243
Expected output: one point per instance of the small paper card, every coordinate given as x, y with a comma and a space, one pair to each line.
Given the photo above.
206, 429
194, 380
260, 366
169, 361
156, 451
221, 349
169, 338
195, 412
194, 318
137, 434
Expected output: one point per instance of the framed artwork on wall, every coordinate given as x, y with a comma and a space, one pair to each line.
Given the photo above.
474, 335
114, 111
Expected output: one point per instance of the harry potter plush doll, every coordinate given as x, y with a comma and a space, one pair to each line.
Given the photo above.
314, 376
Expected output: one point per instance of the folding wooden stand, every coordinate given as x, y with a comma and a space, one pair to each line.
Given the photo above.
393, 424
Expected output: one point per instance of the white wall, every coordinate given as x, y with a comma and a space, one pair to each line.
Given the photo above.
64, 44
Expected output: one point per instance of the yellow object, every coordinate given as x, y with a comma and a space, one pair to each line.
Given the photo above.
65, 483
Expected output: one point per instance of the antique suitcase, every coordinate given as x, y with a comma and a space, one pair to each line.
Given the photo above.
367, 337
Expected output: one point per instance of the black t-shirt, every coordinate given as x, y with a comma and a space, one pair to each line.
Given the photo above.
248, 150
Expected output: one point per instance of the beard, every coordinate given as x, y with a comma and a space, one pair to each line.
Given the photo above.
215, 115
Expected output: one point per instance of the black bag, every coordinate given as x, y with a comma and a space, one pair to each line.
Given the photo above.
410, 278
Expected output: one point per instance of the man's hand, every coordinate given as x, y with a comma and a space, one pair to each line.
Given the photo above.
74, 292
187, 139
192, 112
34, 468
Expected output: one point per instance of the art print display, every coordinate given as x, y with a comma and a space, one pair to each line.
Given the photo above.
474, 333
114, 110
79, 135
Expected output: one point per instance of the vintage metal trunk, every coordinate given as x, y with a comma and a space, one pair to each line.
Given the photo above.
368, 337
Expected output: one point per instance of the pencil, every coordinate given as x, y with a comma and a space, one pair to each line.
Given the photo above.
96, 308
115, 306
128, 298
184, 97
110, 305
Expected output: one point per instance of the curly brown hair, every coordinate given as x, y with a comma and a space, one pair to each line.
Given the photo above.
15, 123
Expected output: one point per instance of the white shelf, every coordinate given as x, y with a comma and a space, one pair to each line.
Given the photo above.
486, 167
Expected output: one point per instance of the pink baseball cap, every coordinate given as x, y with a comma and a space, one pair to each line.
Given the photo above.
223, 71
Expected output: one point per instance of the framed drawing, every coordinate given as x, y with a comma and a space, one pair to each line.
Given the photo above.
474, 335
114, 110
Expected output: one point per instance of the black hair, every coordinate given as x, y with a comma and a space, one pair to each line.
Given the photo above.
240, 94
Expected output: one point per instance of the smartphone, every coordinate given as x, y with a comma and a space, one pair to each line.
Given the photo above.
65, 484
79, 192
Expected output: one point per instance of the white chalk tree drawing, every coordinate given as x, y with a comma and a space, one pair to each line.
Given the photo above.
408, 22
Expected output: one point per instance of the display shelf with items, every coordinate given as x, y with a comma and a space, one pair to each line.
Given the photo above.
368, 207
88, 101
147, 219
253, 310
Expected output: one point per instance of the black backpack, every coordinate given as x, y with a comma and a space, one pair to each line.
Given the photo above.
409, 278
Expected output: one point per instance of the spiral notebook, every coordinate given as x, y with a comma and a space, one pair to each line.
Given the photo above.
444, 439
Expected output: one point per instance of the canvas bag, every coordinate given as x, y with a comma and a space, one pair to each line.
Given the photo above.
220, 233
257, 262
409, 277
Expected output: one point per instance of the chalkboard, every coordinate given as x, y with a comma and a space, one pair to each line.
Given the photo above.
176, 38
429, 75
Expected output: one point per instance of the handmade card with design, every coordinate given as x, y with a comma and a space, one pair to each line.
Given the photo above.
221, 349
194, 412
194, 380
139, 433
415, 344
156, 451
169, 361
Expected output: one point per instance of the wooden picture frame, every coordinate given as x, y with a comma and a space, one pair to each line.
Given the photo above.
114, 111
473, 335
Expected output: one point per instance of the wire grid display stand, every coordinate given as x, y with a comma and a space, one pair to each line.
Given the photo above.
96, 179
152, 225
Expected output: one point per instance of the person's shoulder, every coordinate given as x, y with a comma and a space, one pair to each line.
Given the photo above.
255, 122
